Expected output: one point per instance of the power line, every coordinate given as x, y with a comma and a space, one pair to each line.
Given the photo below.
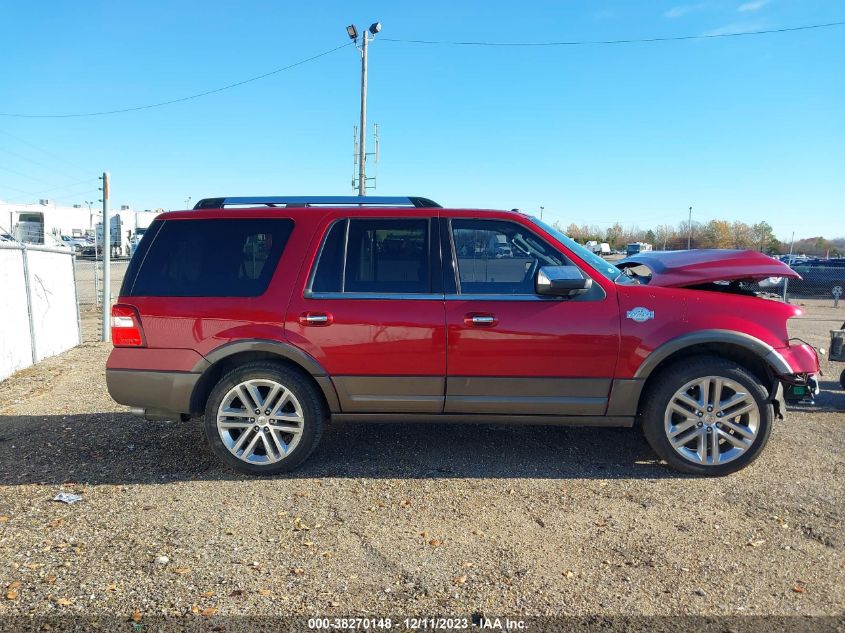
33, 178
29, 160
71, 186
179, 100
46, 152
625, 41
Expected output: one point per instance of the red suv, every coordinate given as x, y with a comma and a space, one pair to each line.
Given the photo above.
272, 316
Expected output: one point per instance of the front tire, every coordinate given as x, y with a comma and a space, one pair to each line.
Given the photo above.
707, 416
263, 418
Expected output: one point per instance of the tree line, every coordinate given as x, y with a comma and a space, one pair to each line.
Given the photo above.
713, 234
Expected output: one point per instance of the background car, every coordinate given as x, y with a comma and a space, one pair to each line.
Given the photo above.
818, 277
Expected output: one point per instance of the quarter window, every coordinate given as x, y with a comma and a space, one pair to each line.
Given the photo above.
380, 256
207, 258
496, 257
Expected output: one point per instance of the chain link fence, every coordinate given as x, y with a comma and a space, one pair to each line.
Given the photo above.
89, 280
820, 279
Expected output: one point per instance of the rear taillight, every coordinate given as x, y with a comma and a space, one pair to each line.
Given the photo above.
126, 330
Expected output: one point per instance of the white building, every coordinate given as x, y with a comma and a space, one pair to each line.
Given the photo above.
45, 221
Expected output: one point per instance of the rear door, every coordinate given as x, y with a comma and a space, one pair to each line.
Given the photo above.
511, 351
371, 312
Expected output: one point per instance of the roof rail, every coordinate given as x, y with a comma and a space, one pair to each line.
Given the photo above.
309, 201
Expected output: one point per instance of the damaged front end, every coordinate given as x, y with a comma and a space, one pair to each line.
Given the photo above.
706, 269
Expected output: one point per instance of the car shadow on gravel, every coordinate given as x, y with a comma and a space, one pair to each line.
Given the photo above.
119, 448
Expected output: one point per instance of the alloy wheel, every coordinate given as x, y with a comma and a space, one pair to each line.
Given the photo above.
260, 421
712, 420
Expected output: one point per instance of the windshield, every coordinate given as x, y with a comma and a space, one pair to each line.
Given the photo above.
604, 267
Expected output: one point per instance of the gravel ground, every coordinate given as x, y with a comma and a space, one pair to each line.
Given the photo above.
410, 520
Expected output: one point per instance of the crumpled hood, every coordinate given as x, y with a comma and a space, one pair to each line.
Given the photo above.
690, 268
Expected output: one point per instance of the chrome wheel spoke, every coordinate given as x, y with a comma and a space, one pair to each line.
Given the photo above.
287, 428
234, 424
241, 440
236, 413
293, 418
702, 446
735, 413
682, 427
717, 392
250, 448
704, 393
733, 439
279, 401
739, 429
281, 445
732, 401
692, 404
255, 395
268, 450
685, 439
267, 403
715, 453
245, 397
689, 415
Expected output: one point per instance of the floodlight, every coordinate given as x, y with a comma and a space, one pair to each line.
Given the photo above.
352, 32
375, 27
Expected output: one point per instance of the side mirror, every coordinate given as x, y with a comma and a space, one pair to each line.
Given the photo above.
561, 281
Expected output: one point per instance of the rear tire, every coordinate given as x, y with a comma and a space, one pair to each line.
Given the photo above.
707, 415
263, 418
842, 379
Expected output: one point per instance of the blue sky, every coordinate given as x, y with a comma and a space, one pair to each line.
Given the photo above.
747, 128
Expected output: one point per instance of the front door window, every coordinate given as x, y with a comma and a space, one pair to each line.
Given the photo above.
499, 258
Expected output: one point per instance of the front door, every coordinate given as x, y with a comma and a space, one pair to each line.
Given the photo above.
511, 351
372, 314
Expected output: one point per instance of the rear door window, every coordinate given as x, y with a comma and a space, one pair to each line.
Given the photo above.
208, 258
375, 256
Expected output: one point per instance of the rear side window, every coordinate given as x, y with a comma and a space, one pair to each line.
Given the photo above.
382, 256
208, 258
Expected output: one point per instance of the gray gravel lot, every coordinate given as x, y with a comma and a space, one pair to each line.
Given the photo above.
406, 519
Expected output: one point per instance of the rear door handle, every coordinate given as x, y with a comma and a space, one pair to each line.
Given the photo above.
480, 319
315, 318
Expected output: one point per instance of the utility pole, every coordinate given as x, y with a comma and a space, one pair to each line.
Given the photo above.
188, 202
689, 230
541, 213
106, 260
368, 35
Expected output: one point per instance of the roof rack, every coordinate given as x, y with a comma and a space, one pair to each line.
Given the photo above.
310, 201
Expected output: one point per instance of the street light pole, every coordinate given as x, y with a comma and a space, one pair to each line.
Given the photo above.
362, 141
689, 230
367, 36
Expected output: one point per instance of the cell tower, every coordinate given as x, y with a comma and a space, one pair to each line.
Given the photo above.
371, 180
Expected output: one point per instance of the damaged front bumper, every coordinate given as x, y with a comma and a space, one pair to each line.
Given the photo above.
801, 383
800, 388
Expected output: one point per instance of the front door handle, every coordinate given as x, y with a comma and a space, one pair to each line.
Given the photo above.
315, 318
480, 319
